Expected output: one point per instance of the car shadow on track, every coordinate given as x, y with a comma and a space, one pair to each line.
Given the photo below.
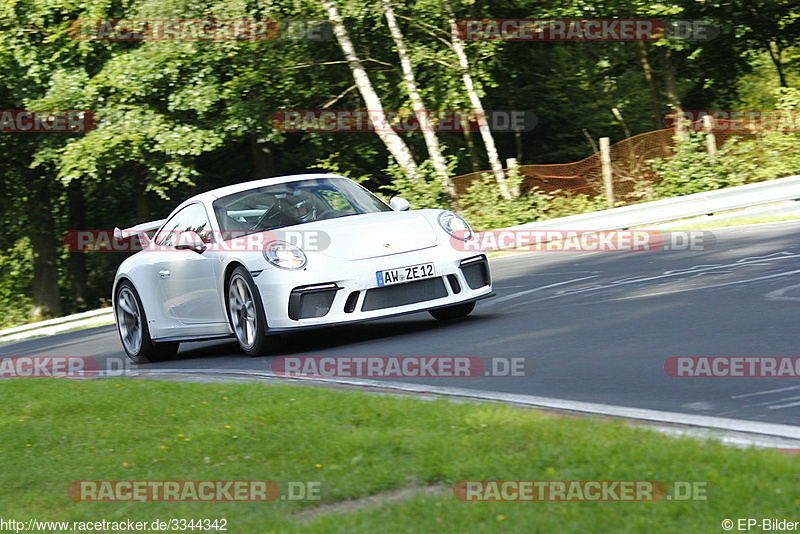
323, 339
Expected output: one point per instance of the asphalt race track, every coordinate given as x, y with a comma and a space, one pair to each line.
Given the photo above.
590, 326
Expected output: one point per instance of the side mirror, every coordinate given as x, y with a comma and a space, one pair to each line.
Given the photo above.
399, 204
190, 241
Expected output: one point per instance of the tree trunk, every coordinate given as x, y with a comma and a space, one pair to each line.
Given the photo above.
394, 143
655, 99
428, 133
77, 259
518, 145
46, 299
776, 60
142, 198
263, 162
477, 107
670, 85
474, 159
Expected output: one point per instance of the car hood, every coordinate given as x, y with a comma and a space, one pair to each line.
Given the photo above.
373, 235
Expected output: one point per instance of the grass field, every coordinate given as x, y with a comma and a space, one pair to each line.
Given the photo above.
407, 453
737, 221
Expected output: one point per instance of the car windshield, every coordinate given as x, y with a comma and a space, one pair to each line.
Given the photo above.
290, 203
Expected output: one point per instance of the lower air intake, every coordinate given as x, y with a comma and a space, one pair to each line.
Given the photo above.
380, 298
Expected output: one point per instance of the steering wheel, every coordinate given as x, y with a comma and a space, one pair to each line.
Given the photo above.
271, 212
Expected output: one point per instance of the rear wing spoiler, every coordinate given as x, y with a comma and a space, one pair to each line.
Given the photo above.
139, 229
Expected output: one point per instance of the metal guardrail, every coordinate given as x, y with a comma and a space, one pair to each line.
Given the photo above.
660, 211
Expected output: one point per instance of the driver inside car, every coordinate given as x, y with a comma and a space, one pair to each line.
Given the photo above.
301, 207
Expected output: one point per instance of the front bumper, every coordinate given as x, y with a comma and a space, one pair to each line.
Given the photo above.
298, 300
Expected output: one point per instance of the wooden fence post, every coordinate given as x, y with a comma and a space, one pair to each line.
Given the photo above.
605, 165
711, 139
513, 166
680, 126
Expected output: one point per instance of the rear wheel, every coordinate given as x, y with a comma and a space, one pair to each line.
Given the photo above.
453, 312
132, 326
246, 313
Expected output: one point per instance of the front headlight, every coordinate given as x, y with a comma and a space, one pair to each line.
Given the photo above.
284, 255
455, 225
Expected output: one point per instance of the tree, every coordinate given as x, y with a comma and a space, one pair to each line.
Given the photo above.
394, 143
431, 140
477, 105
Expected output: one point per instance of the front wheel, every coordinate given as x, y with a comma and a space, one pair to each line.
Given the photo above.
132, 327
453, 312
246, 313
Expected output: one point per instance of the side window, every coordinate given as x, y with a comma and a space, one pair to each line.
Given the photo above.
192, 218
337, 201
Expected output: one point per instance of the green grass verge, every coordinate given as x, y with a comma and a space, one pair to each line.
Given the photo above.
75, 329
355, 445
738, 221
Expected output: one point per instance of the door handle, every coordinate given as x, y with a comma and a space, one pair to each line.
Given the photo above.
163, 273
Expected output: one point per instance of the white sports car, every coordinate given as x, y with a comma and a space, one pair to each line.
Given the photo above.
268, 256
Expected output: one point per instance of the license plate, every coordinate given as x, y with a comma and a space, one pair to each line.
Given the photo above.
405, 274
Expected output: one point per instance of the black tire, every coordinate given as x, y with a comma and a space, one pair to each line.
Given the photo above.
246, 313
134, 334
453, 312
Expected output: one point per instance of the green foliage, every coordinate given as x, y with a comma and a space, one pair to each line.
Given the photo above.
774, 155
771, 154
335, 163
485, 208
425, 192
692, 170
16, 266
560, 203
